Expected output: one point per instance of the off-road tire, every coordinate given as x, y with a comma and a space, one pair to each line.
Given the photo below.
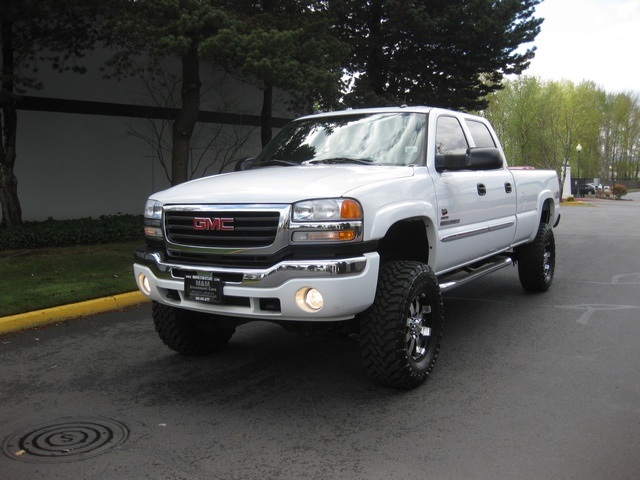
537, 261
190, 333
400, 334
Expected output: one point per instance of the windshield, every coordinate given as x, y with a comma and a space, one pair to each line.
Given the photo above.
373, 139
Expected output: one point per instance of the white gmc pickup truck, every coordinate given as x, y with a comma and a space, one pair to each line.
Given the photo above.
351, 221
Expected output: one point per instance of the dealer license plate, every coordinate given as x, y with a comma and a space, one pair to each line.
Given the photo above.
203, 288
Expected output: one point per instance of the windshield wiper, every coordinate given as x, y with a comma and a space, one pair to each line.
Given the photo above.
275, 162
359, 161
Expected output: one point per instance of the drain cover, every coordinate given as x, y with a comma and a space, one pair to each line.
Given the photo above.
65, 440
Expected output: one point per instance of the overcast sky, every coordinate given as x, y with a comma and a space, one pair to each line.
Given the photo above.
596, 40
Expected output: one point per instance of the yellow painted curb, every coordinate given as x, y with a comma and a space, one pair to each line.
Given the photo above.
66, 312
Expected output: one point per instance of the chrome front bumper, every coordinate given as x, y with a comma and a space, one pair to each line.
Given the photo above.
348, 286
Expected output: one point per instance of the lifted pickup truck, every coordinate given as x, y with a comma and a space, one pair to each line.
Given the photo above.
353, 221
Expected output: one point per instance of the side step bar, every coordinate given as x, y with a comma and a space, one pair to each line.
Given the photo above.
451, 280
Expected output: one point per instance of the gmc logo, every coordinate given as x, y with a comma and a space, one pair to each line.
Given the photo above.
202, 223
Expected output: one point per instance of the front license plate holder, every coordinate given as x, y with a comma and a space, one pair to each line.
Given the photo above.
203, 288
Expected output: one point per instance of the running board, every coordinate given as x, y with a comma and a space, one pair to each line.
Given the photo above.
452, 280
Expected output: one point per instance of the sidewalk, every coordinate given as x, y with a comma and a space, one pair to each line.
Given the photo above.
587, 200
37, 318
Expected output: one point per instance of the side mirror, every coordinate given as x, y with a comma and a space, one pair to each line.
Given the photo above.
473, 159
244, 164
484, 159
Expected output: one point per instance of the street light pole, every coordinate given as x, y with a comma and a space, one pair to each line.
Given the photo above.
579, 149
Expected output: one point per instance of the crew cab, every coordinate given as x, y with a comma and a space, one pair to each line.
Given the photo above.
353, 221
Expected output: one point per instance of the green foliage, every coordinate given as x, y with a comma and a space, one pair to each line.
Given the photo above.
145, 32
540, 123
83, 231
53, 33
441, 53
276, 43
619, 191
286, 44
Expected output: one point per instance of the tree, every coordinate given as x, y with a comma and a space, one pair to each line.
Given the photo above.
265, 42
285, 44
541, 124
515, 112
34, 32
214, 146
620, 136
441, 52
154, 30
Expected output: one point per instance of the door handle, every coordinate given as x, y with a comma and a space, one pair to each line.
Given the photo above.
507, 187
482, 189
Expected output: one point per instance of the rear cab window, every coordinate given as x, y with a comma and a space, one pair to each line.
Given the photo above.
481, 134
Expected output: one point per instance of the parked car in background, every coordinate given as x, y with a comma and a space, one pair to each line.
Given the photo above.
587, 188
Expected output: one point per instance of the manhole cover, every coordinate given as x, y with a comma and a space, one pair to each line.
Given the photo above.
65, 440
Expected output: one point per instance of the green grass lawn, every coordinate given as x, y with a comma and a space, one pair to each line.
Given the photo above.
42, 278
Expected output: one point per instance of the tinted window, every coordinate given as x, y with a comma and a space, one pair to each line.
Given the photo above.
480, 133
450, 139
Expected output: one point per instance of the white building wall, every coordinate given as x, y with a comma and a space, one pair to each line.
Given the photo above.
73, 165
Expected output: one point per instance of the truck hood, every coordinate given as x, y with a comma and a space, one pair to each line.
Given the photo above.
280, 184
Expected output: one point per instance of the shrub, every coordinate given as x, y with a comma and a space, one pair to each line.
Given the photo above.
64, 233
619, 191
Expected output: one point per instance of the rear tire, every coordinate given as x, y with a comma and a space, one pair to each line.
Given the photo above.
190, 333
537, 261
400, 333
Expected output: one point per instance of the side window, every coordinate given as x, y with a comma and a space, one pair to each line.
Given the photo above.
450, 137
480, 133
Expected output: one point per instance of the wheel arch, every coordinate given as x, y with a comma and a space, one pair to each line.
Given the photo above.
548, 209
405, 231
408, 239
547, 212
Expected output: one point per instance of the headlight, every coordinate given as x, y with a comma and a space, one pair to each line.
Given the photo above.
326, 220
332, 209
153, 219
153, 209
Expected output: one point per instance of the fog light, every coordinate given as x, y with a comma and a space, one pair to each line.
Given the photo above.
153, 232
309, 299
143, 283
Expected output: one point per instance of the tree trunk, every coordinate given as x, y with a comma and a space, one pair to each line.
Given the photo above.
187, 116
375, 59
11, 211
266, 115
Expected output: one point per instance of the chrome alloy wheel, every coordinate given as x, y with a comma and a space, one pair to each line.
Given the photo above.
418, 329
547, 259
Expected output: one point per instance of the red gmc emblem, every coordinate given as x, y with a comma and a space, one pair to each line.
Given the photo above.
202, 223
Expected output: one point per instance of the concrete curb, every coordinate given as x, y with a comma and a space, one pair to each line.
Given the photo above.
67, 312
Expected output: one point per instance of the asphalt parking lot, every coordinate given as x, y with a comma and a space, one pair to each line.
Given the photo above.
526, 386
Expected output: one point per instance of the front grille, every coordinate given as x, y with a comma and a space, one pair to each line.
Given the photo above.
226, 261
250, 228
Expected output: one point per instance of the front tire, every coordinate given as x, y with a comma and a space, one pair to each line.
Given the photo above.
188, 332
537, 261
400, 333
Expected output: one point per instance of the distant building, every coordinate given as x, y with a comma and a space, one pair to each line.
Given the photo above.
83, 145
